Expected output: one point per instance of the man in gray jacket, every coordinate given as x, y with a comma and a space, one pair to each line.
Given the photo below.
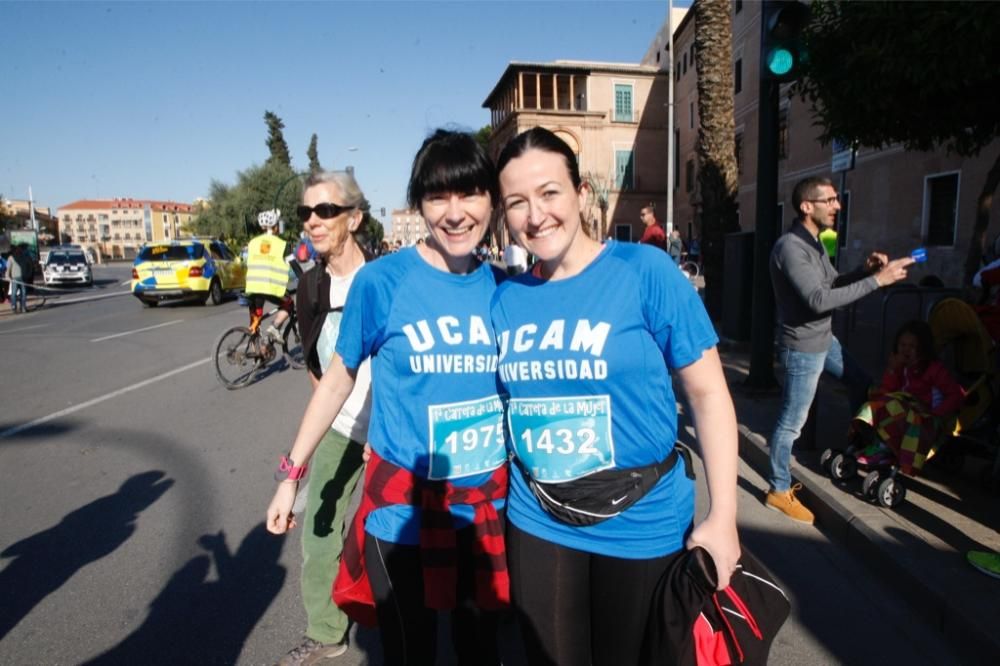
807, 289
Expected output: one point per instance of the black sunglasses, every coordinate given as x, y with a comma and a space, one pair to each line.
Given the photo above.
325, 211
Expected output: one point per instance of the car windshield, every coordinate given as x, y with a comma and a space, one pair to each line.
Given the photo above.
171, 252
62, 259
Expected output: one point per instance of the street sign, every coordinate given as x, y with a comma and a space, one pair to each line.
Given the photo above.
843, 156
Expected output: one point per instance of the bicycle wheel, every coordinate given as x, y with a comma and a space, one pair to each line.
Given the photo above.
691, 268
292, 345
236, 357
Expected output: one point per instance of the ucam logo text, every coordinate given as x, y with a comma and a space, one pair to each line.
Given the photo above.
585, 337
449, 331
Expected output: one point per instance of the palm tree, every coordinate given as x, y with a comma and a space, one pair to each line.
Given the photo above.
717, 175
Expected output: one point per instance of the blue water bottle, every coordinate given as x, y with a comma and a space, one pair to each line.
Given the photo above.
919, 255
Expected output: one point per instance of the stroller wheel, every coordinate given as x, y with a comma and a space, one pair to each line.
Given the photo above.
869, 488
843, 466
890, 493
825, 458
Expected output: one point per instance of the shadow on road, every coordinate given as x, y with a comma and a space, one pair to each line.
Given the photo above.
46, 560
39, 432
197, 621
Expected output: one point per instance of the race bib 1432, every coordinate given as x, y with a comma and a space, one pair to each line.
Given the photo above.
561, 439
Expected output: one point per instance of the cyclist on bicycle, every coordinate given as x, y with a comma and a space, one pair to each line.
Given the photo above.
267, 274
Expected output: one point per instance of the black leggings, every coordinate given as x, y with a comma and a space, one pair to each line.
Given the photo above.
409, 629
579, 608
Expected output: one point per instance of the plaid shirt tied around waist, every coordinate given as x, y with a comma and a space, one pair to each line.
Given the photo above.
387, 484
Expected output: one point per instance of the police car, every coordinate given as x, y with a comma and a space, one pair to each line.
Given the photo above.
194, 270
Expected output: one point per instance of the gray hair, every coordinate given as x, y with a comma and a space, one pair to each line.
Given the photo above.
345, 183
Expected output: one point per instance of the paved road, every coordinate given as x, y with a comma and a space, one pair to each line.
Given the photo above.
132, 510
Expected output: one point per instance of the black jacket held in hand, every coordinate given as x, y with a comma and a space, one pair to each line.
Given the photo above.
692, 624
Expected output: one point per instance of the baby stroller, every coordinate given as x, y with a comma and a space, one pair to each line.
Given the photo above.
896, 417
959, 330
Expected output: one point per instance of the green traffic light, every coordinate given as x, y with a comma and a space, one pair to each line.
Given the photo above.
780, 61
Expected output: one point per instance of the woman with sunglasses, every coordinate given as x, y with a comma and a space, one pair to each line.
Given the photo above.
330, 213
428, 535
600, 501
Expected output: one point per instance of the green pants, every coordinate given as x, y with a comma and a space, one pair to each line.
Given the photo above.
333, 474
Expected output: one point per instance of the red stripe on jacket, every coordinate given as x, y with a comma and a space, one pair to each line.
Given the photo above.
387, 484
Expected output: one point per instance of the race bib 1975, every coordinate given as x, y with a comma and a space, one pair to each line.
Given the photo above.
466, 438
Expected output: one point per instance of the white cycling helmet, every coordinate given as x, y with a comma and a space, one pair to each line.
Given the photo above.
269, 218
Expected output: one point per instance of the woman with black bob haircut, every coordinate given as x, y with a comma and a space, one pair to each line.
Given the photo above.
601, 499
447, 163
428, 535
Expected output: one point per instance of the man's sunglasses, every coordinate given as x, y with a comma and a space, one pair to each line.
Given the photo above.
324, 211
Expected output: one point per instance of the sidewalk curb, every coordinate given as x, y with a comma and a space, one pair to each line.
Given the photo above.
955, 623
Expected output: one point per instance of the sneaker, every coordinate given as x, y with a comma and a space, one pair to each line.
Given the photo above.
312, 652
274, 334
787, 503
986, 561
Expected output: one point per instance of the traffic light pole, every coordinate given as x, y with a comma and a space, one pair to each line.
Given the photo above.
761, 373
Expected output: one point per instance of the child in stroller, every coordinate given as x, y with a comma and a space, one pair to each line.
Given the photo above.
899, 427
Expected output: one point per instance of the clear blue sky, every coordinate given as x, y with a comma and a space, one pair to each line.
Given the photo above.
157, 99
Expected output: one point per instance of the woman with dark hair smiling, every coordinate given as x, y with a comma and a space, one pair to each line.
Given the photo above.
601, 500
428, 535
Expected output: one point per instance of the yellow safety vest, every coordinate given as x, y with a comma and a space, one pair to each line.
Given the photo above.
267, 272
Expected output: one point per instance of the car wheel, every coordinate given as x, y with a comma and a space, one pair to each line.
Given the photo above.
215, 292
150, 304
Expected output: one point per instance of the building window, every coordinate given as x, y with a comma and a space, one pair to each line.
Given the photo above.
940, 209
691, 114
623, 233
691, 52
678, 77
685, 68
737, 6
738, 150
738, 75
624, 170
657, 57
782, 134
689, 176
623, 102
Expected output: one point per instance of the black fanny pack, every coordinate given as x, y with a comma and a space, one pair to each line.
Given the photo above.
595, 498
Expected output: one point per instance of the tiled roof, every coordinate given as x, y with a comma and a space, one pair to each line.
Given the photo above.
127, 203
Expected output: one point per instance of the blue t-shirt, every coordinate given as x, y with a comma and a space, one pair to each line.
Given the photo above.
435, 408
585, 367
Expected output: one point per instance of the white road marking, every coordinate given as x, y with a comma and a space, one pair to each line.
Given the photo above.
138, 330
10, 432
23, 328
87, 299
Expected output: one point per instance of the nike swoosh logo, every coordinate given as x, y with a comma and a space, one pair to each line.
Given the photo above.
619, 500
